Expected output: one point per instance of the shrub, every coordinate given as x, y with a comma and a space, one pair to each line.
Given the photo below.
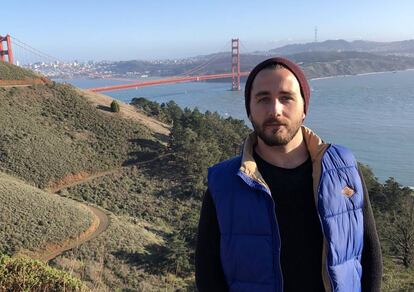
24, 274
115, 106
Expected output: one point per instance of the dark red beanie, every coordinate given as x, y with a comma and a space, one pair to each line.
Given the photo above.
292, 67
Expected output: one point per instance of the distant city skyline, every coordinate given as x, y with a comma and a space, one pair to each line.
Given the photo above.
159, 29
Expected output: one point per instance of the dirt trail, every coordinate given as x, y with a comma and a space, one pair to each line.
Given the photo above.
18, 85
100, 222
99, 225
75, 180
23, 82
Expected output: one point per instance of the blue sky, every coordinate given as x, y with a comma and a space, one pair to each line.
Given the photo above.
123, 30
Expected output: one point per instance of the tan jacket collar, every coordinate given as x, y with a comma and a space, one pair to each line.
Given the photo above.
315, 145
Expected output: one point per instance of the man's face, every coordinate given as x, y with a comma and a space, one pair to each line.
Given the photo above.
276, 106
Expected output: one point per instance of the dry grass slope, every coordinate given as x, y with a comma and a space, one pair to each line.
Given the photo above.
49, 132
12, 72
31, 218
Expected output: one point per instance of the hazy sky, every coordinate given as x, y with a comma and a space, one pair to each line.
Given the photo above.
123, 30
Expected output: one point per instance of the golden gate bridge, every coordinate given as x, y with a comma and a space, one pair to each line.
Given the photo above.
188, 76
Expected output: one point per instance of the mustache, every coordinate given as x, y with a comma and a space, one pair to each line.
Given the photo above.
272, 121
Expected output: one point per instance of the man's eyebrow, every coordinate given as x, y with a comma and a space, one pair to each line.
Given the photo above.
286, 92
264, 92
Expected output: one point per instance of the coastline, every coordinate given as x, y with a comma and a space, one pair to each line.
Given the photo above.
360, 74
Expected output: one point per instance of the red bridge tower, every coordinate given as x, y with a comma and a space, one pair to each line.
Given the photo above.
235, 64
7, 52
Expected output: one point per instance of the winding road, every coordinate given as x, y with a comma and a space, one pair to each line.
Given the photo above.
99, 224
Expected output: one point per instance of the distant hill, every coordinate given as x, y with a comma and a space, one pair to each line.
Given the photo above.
323, 64
338, 57
402, 48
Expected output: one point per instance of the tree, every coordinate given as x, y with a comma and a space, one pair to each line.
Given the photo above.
395, 194
177, 257
400, 232
192, 157
115, 106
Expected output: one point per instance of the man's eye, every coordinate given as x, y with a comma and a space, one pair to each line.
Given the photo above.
263, 99
286, 97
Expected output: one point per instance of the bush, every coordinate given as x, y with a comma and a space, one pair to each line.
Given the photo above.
115, 106
23, 274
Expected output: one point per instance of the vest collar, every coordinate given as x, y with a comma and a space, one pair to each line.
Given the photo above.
316, 148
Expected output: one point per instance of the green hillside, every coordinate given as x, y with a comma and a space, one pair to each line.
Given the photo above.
49, 132
13, 72
31, 218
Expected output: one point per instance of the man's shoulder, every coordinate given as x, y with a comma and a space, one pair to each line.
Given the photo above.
228, 164
223, 173
340, 154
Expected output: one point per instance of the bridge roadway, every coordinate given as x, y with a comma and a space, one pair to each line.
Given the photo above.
165, 81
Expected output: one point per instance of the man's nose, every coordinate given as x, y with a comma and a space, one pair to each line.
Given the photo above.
277, 107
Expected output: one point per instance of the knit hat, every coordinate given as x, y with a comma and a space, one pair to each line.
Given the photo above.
292, 67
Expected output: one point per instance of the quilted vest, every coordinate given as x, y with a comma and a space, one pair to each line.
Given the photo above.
250, 240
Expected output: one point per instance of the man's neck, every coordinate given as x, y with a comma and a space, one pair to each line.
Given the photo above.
290, 155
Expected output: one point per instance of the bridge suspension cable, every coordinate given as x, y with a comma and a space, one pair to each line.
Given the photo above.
244, 47
26, 50
205, 64
235, 74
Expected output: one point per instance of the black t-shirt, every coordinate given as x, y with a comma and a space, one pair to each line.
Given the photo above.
299, 225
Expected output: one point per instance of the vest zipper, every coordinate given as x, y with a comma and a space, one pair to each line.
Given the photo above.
275, 223
276, 226
324, 237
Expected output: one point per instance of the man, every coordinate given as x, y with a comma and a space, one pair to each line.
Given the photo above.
292, 212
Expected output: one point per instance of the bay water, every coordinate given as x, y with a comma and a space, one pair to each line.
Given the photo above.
372, 114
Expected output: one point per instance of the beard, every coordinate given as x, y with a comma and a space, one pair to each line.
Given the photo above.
276, 137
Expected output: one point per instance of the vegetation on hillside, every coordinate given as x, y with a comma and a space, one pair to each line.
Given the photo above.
30, 218
208, 137
49, 132
393, 207
13, 72
165, 193
24, 274
129, 256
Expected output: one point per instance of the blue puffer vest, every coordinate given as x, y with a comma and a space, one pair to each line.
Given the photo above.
250, 240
